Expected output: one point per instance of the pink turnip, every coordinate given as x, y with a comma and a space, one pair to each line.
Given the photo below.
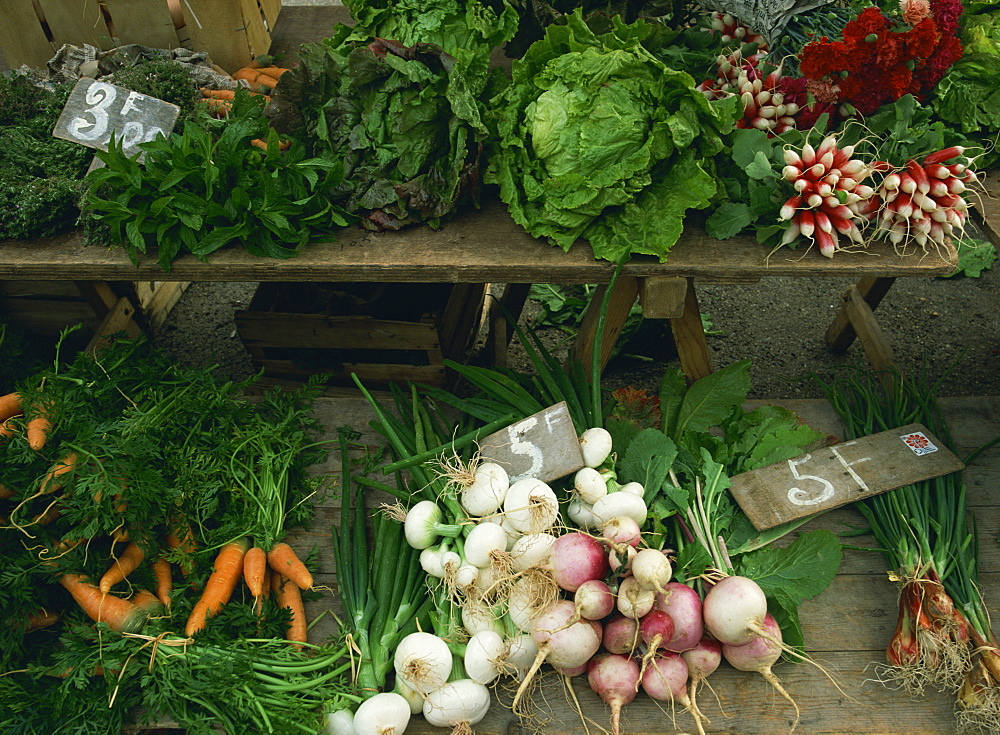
759, 655
734, 610
621, 635
575, 558
683, 605
615, 678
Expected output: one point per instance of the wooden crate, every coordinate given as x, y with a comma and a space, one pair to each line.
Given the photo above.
43, 309
385, 333
232, 31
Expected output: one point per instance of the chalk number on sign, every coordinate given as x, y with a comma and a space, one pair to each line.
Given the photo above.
97, 110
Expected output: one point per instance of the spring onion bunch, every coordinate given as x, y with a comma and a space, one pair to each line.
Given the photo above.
943, 638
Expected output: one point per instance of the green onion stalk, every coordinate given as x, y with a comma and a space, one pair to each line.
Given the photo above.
943, 637
382, 587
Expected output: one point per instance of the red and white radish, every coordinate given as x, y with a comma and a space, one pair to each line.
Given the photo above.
576, 558
594, 599
652, 569
561, 641
702, 660
621, 635
633, 600
682, 603
615, 679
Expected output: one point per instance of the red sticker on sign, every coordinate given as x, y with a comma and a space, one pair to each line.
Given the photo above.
919, 443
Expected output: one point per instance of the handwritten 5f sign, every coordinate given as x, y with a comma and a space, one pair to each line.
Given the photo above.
97, 110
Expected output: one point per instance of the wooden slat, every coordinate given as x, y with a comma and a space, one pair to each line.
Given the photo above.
146, 22
277, 329
220, 29
620, 305
662, 298
271, 8
258, 37
477, 246
22, 38
77, 22
841, 334
689, 338
870, 334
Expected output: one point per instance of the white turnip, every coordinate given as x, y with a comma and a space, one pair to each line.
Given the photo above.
614, 505
589, 485
734, 610
529, 594
582, 514
759, 655
386, 713
682, 603
531, 506
423, 525
458, 704
652, 569
595, 443
483, 542
615, 679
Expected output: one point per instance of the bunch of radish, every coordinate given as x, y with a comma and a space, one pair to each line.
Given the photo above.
830, 201
922, 202
731, 29
768, 103
590, 597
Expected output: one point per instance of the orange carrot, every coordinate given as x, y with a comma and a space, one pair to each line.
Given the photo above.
217, 108
256, 76
287, 594
39, 426
10, 406
283, 559
218, 94
164, 581
147, 602
254, 565
283, 145
6, 492
273, 71
42, 619
130, 559
7, 429
54, 479
52, 512
180, 537
221, 583
120, 615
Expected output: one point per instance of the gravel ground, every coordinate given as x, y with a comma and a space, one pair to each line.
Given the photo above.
778, 323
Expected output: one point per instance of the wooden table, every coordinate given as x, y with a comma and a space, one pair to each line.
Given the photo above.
846, 628
487, 246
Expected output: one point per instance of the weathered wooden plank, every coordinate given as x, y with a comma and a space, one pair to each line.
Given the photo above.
219, 29
22, 38
277, 329
620, 304
844, 473
689, 338
662, 298
77, 22
147, 22
840, 333
477, 246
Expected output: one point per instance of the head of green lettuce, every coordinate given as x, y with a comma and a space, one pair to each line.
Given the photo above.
599, 140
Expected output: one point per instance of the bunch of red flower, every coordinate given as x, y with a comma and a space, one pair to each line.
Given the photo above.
879, 60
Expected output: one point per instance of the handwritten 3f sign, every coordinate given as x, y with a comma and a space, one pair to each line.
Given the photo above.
97, 110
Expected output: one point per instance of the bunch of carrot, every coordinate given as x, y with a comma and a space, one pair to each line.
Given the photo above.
259, 80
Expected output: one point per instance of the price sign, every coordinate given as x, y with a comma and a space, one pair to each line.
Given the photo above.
841, 474
97, 110
544, 445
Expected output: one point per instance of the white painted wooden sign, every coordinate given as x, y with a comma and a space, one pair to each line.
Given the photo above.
841, 474
545, 446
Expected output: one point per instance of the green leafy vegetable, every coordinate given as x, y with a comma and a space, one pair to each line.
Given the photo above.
599, 140
207, 187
